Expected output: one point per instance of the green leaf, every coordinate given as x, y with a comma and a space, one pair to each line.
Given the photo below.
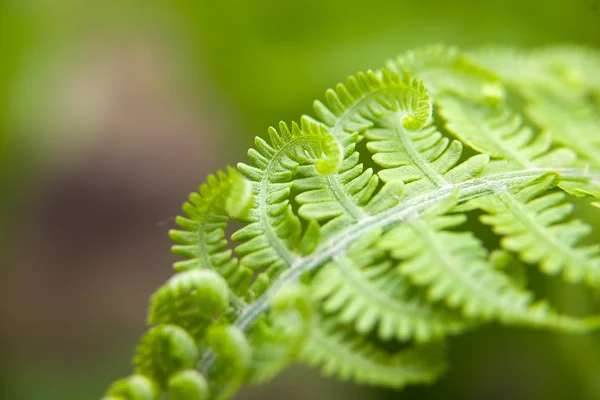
191, 300
363, 289
352, 358
188, 385
423, 160
454, 267
135, 387
164, 350
533, 225
233, 354
447, 70
203, 240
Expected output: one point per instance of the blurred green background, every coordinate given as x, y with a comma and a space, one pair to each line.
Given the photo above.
111, 112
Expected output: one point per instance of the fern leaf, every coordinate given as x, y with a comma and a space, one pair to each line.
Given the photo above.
203, 240
567, 71
572, 124
345, 197
357, 105
502, 134
524, 73
453, 266
164, 350
275, 230
578, 65
188, 385
135, 387
447, 70
349, 357
363, 289
339, 200
326, 197
556, 93
423, 160
533, 226
233, 353
191, 300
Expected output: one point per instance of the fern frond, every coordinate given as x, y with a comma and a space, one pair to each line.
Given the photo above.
349, 357
523, 73
566, 71
502, 134
363, 288
323, 198
556, 92
274, 231
135, 387
190, 299
578, 64
203, 240
357, 105
573, 124
454, 267
423, 159
165, 349
345, 197
448, 70
532, 224
188, 385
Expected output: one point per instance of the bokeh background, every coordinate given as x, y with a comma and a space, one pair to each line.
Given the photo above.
111, 112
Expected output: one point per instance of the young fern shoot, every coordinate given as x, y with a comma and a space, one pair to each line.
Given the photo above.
337, 263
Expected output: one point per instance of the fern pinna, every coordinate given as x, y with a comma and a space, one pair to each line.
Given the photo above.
338, 262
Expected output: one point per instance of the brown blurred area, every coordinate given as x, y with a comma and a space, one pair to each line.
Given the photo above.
94, 242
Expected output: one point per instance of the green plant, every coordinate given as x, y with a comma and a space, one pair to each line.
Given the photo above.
364, 271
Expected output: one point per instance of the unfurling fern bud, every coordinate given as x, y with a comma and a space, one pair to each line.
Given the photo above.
411, 123
134, 387
188, 385
231, 347
233, 353
332, 153
202, 291
164, 350
240, 198
191, 300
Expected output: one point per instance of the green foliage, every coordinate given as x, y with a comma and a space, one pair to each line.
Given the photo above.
366, 271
